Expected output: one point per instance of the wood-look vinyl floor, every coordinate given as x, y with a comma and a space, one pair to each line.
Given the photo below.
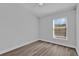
42, 48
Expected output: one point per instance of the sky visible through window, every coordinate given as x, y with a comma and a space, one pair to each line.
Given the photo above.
60, 21
59, 28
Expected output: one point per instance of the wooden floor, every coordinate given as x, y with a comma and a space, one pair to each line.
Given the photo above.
41, 48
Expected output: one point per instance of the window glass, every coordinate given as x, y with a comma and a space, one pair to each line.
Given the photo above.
59, 28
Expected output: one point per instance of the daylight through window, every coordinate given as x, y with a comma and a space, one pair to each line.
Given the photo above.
59, 28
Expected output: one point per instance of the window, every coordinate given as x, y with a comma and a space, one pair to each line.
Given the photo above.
59, 28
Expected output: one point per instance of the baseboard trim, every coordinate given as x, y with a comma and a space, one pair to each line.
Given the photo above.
10, 49
77, 50
57, 43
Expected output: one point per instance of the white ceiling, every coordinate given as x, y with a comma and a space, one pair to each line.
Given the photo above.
47, 8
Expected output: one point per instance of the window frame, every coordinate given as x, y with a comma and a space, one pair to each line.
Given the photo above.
66, 28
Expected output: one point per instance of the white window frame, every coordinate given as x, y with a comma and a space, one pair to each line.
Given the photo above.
55, 37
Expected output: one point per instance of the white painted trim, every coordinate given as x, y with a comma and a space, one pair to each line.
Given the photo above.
58, 43
77, 50
7, 50
54, 36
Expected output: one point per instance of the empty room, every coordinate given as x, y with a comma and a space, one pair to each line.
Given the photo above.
39, 29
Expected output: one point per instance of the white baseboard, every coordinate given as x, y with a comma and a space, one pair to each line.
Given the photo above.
10, 49
58, 43
77, 50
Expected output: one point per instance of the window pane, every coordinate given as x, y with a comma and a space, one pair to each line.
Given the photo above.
59, 28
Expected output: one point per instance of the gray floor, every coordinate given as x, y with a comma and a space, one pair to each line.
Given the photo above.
42, 48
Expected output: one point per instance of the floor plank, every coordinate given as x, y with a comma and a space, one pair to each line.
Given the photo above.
42, 48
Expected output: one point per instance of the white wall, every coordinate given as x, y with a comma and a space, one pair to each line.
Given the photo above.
46, 32
17, 26
77, 29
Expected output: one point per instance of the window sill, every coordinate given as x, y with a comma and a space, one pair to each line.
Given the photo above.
60, 38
